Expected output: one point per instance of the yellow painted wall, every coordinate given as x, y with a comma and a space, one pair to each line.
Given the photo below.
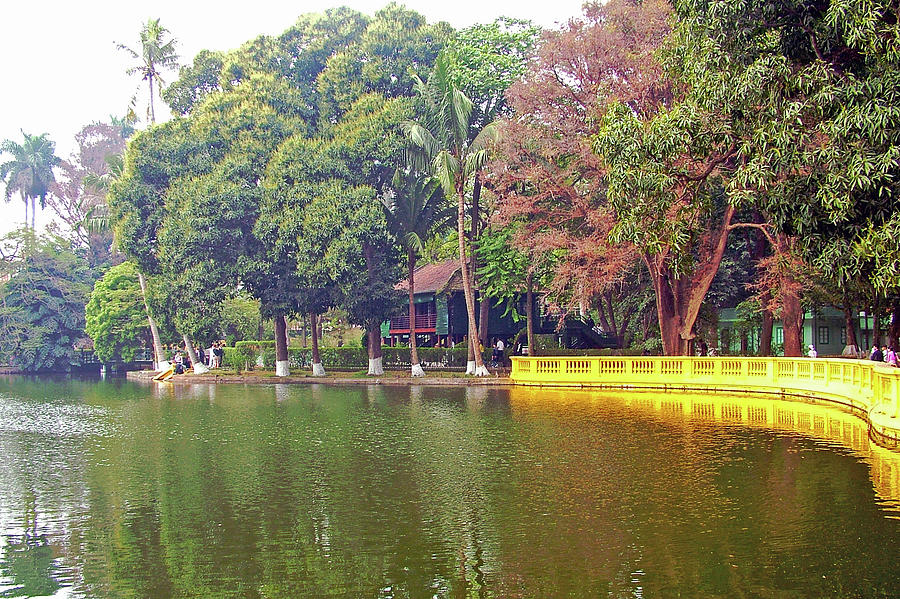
869, 387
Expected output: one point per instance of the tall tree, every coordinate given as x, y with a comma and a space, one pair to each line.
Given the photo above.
548, 179
137, 203
809, 90
30, 171
484, 60
416, 209
358, 154
444, 141
157, 54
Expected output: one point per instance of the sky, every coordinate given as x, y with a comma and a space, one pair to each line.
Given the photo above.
61, 68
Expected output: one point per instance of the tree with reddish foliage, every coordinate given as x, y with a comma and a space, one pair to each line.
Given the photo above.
79, 195
547, 175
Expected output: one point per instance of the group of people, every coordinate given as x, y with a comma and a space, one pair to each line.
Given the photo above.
214, 354
212, 357
884, 354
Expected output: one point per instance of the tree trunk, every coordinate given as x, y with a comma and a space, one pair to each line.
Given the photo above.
484, 305
894, 330
484, 312
152, 111
317, 368
876, 326
666, 314
480, 369
415, 366
678, 300
765, 335
376, 368
851, 347
282, 362
159, 357
196, 363
529, 310
792, 319
791, 312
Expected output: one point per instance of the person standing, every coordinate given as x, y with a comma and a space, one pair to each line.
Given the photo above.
497, 354
219, 352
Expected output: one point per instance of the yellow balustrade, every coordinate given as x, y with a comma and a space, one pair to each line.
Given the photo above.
868, 387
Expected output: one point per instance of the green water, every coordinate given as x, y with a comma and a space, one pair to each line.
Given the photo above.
113, 489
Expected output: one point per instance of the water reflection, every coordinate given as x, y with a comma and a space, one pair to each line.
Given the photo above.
296, 491
28, 560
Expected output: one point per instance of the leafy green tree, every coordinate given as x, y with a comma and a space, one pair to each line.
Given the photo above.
114, 315
416, 210
298, 55
396, 46
806, 93
484, 60
240, 318
157, 54
349, 231
508, 270
42, 310
195, 82
212, 206
444, 141
137, 201
30, 171
358, 153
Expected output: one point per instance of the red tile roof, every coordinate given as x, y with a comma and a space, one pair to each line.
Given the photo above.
435, 278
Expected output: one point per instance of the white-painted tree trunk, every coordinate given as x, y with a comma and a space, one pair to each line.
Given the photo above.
163, 366
200, 368
470, 367
417, 370
283, 368
318, 369
197, 364
375, 367
482, 371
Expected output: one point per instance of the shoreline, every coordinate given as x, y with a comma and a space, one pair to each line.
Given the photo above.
305, 379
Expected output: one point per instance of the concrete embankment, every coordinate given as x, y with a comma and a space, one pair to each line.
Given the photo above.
263, 379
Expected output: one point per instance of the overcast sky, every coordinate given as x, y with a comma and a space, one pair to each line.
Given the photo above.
61, 69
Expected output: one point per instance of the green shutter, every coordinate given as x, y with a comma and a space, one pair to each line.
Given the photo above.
442, 325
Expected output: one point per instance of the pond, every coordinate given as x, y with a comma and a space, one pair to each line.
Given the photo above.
119, 489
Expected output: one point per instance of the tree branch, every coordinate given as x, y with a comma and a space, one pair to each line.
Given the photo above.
761, 227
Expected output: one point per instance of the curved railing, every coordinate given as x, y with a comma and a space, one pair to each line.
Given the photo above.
869, 387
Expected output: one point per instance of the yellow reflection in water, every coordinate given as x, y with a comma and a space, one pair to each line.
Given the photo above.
816, 420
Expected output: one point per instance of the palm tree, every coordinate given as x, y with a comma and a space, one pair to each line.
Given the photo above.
30, 172
96, 218
415, 210
448, 142
156, 55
